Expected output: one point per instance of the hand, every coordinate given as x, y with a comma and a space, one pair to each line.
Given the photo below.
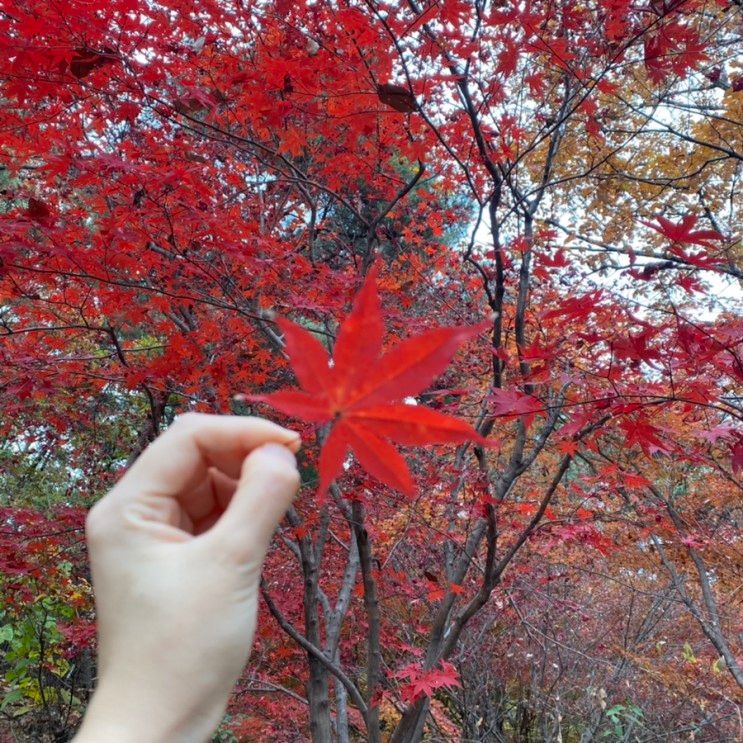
176, 550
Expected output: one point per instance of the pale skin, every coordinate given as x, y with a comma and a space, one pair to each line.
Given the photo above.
176, 550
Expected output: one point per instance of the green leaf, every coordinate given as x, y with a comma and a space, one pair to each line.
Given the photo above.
13, 696
719, 665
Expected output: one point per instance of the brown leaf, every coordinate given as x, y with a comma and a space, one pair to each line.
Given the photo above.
397, 97
85, 61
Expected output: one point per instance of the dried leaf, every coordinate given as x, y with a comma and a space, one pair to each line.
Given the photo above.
397, 97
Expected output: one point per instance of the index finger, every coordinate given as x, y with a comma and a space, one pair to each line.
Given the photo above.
180, 458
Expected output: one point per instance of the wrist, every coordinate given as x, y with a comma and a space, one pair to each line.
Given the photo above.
120, 716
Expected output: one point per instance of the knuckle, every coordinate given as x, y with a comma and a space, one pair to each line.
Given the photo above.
279, 473
98, 523
169, 511
257, 420
287, 476
188, 420
293, 478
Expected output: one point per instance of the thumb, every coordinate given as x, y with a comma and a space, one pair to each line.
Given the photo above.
268, 482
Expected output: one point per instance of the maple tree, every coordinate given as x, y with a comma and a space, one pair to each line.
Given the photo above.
208, 205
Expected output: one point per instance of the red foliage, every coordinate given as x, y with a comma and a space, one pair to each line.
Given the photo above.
179, 175
425, 683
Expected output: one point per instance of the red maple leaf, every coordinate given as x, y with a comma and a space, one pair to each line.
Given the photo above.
424, 683
362, 391
513, 402
683, 233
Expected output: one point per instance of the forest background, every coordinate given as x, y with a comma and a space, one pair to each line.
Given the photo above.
555, 554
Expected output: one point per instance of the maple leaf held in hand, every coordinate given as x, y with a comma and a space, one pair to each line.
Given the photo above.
362, 392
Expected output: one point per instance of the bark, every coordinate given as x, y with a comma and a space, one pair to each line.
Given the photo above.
341, 710
321, 729
334, 623
707, 618
371, 604
317, 685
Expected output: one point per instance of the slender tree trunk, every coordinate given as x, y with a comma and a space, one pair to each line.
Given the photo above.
341, 711
321, 728
709, 624
410, 727
371, 604
334, 622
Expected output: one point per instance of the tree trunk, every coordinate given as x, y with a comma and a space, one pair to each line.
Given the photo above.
341, 711
410, 727
317, 694
317, 686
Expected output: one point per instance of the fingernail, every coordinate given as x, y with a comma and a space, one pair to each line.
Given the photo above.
279, 453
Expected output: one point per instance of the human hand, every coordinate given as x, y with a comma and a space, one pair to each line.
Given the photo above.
176, 550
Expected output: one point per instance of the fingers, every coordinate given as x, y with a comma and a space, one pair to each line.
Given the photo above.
211, 496
178, 461
268, 483
210, 500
